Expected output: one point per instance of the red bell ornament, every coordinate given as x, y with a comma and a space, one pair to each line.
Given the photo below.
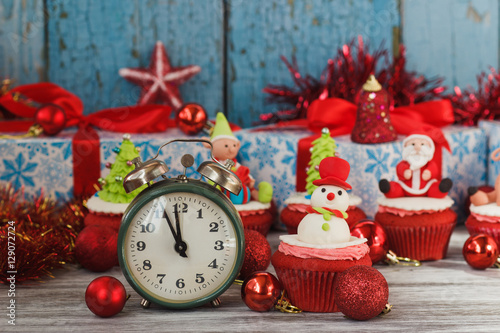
373, 124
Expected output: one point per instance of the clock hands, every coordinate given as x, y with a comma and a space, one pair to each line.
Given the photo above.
180, 246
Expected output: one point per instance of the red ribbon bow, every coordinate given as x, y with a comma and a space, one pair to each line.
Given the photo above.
339, 116
86, 150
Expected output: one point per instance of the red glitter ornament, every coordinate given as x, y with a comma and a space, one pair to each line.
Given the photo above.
257, 253
480, 251
373, 123
96, 248
361, 292
376, 236
191, 118
105, 296
260, 291
52, 119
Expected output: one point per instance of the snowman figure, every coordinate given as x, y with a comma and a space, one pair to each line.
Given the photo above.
325, 222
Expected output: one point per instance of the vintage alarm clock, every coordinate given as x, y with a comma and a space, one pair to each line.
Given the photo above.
181, 242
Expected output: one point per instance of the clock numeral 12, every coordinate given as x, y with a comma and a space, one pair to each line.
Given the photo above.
178, 209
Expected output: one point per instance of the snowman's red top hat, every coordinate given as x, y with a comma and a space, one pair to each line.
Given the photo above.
333, 171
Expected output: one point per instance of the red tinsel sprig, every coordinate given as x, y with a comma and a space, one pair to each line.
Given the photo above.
473, 105
306, 90
342, 77
45, 233
408, 87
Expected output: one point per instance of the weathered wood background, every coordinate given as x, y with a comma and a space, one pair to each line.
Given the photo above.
81, 45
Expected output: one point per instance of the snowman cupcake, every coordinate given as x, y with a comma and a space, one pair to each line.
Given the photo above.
307, 263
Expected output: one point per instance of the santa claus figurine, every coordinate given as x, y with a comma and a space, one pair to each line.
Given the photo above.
418, 173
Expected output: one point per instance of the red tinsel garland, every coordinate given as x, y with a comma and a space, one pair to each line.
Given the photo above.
472, 105
45, 234
344, 76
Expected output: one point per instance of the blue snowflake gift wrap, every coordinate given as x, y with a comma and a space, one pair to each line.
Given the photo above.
272, 155
492, 129
46, 163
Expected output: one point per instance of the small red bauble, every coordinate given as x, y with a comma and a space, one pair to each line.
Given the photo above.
260, 291
480, 251
257, 253
96, 248
191, 118
52, 119
361, 292
376, 236
105, 296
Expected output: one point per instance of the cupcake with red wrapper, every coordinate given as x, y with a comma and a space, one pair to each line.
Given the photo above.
308, 262
253, 203
485, 208
106, 207
299, 203
416, 211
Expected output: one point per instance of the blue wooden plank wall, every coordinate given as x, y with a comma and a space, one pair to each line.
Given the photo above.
81, 45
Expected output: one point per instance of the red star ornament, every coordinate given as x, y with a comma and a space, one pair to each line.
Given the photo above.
160, 81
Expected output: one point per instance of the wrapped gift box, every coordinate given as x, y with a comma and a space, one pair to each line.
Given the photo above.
492, 129
272, 155
46, 163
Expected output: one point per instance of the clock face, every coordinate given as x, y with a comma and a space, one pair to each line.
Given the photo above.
181, 249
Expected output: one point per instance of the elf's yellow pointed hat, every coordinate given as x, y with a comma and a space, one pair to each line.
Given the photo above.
221, 129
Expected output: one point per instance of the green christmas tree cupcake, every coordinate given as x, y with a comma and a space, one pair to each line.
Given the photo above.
297, 204
107, 206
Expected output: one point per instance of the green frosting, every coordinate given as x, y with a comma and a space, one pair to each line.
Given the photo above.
112, 190
322, 147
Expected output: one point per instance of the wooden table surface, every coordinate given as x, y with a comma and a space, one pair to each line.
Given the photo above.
446, 295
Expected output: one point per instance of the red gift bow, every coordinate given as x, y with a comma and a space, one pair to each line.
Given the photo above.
85, 144
339, 116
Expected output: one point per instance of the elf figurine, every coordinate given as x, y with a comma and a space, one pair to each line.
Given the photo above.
226, 147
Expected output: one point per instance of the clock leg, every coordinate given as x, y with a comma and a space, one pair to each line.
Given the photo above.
216, 303
145, 303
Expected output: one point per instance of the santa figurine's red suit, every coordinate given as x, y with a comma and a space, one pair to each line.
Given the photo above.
418, 173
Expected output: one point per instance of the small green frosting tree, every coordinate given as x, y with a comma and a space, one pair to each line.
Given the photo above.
112, 186
322, 147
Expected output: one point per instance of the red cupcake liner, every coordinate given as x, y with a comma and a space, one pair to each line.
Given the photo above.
420, 242
258, 222
308, 290
479, 229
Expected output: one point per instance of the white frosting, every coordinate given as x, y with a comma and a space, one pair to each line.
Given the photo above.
417, 203
97, 205
293, 240
253, 205
300, 198
491, 209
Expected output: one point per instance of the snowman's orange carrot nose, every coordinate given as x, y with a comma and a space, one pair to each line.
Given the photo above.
330, 196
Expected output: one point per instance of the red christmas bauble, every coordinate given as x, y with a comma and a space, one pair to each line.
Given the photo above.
52, 118
96, 248
105, 296
260, 291
376, 236
361, 292
480, 251
191, 118
257, 253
